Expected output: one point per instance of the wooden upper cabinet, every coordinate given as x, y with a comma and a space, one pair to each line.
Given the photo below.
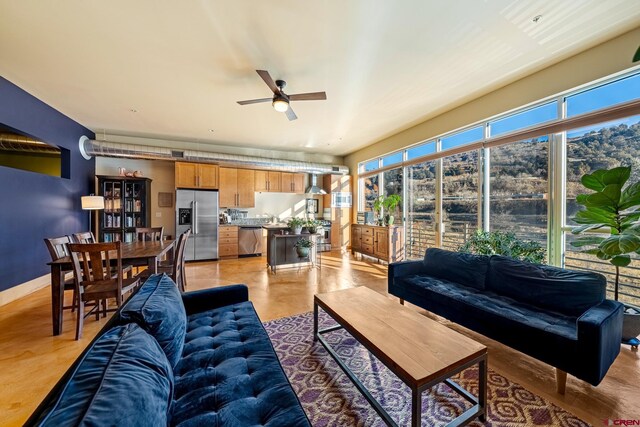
228, 187
274, 182
246, 188
207, 176
186, 175
196, 175
237, 188
261, 180
292, 182
268, 181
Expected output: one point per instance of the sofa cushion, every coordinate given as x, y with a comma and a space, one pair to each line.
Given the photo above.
157, 307
565, 291
230, 375
466, 269
124, 379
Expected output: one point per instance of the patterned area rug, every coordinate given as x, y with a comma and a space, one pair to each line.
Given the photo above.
330, 399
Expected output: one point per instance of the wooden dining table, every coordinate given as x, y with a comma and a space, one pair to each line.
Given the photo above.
137, 253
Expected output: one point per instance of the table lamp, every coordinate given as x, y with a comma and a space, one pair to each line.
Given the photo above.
92, 203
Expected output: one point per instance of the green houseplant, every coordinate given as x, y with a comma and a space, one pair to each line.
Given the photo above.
390, 203
312, 225
504, 243
295, 225
303, 246
615, 207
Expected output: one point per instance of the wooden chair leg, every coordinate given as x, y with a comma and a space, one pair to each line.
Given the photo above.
80, 322
561, 381
74, 304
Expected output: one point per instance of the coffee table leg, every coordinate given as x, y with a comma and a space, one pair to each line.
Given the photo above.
416, 408
315, 321
482, 389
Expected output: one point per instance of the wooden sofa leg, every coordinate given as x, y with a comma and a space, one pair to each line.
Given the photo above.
561, 381
401, 301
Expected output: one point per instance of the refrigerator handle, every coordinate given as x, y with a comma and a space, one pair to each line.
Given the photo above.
194, 208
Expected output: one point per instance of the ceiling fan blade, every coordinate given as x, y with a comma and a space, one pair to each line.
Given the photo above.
313, 96
255, 101
290, 114
268, 80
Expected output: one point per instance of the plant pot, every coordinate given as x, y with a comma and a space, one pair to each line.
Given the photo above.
296, 230
302, 252
390, 220
630, 323
312, 230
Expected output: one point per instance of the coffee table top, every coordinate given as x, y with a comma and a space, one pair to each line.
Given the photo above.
415, 348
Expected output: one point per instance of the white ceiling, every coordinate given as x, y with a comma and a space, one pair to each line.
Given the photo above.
385, 64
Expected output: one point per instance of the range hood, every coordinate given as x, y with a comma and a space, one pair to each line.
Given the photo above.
313, 185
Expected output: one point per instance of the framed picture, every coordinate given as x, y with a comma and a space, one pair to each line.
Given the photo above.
312, 206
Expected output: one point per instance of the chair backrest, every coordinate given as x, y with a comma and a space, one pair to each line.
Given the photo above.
149, 233
57, 247
84, 237
92, 263
178, 259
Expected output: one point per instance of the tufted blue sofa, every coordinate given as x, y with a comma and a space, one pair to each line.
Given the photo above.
200, 358
558, 316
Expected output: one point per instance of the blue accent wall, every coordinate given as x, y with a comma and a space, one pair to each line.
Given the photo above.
32, 205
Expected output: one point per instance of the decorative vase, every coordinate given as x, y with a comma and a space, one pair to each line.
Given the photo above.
296, 230
302, 251
390, 220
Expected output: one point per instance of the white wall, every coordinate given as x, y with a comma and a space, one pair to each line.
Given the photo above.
282, 205
162, 174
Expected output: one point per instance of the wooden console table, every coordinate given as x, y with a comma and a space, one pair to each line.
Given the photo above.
382, 242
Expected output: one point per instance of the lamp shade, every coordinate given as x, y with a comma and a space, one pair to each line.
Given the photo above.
92, 203
280, 105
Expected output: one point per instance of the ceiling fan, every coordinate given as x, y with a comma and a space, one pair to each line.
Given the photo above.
280, 100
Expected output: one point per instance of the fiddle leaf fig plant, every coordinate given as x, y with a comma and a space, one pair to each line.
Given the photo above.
615, 207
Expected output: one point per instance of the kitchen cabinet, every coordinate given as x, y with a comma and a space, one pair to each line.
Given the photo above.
292, 182
268, 181
237, 188
385, 243
228, 241
196, 175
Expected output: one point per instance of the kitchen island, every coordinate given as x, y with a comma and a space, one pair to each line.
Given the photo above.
281, 250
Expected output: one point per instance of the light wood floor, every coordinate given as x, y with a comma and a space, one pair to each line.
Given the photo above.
31, 360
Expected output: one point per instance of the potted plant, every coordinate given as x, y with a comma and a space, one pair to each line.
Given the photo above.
377, 208
312, 225
303, 246
615, 207
504, 243
390, 203
295, 225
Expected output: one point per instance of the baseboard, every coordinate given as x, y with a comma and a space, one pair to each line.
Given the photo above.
24, 289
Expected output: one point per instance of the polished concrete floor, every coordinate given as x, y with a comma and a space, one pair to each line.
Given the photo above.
31, 360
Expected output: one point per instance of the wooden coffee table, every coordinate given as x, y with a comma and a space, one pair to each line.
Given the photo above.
420, 351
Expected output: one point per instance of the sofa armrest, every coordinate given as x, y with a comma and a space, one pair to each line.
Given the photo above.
403, 268
599, 337
208, 299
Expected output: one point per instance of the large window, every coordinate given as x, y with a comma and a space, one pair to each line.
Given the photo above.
604, 146
519, 189
371, 191
421, 208
527, 187
459, 198
392, 181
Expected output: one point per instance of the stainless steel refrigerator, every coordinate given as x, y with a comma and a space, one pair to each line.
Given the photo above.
198, 210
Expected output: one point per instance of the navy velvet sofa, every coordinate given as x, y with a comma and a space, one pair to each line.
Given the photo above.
200, 358
558, 316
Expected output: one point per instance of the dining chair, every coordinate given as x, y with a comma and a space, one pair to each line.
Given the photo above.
149, 233
175, 268
84, 237
93, 265
57, 247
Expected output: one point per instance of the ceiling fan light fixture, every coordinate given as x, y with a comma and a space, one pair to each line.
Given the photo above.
280, 105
